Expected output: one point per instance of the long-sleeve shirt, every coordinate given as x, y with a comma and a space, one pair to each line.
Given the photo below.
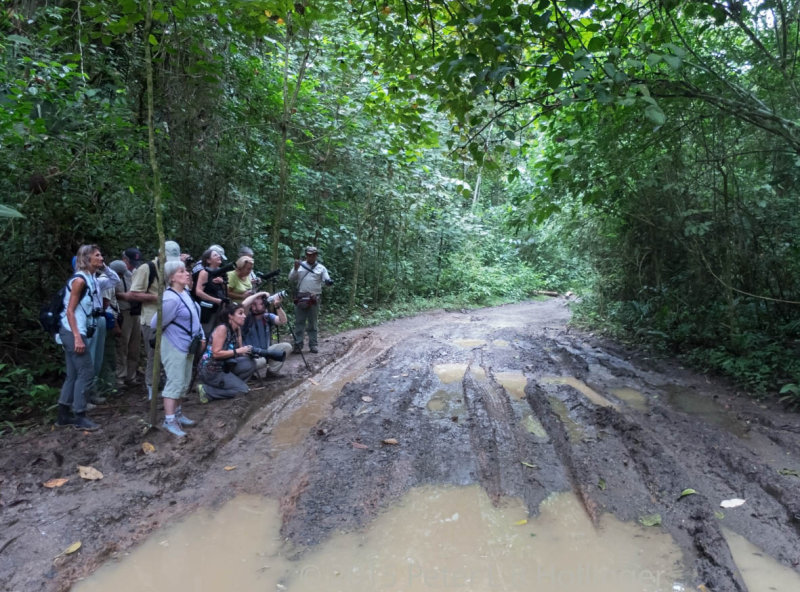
180, 319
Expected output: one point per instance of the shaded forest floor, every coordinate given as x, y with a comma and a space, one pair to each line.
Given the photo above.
505, 397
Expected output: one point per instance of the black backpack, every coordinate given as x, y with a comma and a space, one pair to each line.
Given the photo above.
50, 313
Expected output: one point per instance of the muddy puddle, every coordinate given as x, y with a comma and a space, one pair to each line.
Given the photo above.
698, 405
759, 571
582, 388
434, 539
513, 382
450, 373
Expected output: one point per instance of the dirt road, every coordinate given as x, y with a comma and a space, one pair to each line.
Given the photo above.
505, 397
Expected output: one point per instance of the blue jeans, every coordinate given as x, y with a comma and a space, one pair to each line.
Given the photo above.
80, 373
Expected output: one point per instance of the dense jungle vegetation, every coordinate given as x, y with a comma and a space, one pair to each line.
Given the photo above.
643, 154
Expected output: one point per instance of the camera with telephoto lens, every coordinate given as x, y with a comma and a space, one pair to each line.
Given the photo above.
98, 312
271, 299
258, 352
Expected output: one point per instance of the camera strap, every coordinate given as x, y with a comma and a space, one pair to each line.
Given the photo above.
191, 316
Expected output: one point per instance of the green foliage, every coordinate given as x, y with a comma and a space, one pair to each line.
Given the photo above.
21, 396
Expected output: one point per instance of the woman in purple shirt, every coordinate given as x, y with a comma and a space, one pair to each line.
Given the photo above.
182, 338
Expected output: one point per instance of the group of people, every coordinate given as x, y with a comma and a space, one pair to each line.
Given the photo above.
214, 320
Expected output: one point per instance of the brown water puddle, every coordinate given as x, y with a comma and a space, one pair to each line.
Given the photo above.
513, 382
582, 388
435, 538
631, 397
534, 426
449, 373
449, 402
574, 432
760, 572
706, 408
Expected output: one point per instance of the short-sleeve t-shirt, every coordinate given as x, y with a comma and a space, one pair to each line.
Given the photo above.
141, 278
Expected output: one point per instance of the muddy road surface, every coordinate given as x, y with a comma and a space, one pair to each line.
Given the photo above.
507, 400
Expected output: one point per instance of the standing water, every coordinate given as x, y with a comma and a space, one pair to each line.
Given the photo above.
437, 538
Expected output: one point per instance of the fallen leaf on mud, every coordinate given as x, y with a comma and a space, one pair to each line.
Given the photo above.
391, 441
312, 381
72, 548
367, 399
686, 492
55, 482
702, 588
791, 472
221, 424
360, 446
148, 448
650, 520
520, 522
732, 503
719, 515
529, 465
601, 485
230, 467
89, 473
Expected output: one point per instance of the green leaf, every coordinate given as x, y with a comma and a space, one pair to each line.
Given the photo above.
554, 76
601, 484
650, 520
655, 114
673, 62
152, 39
6, 212
686, 492
791, 472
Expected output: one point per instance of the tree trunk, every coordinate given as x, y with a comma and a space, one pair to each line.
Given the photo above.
151, 143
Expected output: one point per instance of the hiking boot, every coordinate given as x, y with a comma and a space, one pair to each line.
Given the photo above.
183, 420
64, 418
97, 400
173, 428
313, 349
82, 422
201, 390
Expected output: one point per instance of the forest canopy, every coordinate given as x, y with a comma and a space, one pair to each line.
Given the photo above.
642, 154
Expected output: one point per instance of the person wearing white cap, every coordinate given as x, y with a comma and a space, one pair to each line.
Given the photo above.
144, 289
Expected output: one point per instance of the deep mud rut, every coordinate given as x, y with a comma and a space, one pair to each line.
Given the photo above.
506, 397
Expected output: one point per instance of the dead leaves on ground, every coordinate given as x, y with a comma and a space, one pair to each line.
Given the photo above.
53, 483
89, 473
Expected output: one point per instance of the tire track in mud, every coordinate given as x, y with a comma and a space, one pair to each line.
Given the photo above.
627, 461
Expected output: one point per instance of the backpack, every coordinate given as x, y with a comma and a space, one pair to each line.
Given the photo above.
50, 313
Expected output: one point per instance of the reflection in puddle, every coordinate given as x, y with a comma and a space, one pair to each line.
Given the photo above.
513, 382
632, 397
582, 388
703, 407
450, 402
574, 431
435, 539
449, 373
469, 343
759, 571
290, 431
534, 426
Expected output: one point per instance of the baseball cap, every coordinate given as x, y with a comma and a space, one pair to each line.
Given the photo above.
172, 251
133, 255
219, 250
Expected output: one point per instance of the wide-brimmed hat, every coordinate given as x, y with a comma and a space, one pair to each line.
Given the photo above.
311, 250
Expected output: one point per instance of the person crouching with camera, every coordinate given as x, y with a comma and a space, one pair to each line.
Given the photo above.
183, 338
226, 364
258, 328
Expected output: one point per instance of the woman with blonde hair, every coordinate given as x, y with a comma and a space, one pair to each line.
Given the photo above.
83, 306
